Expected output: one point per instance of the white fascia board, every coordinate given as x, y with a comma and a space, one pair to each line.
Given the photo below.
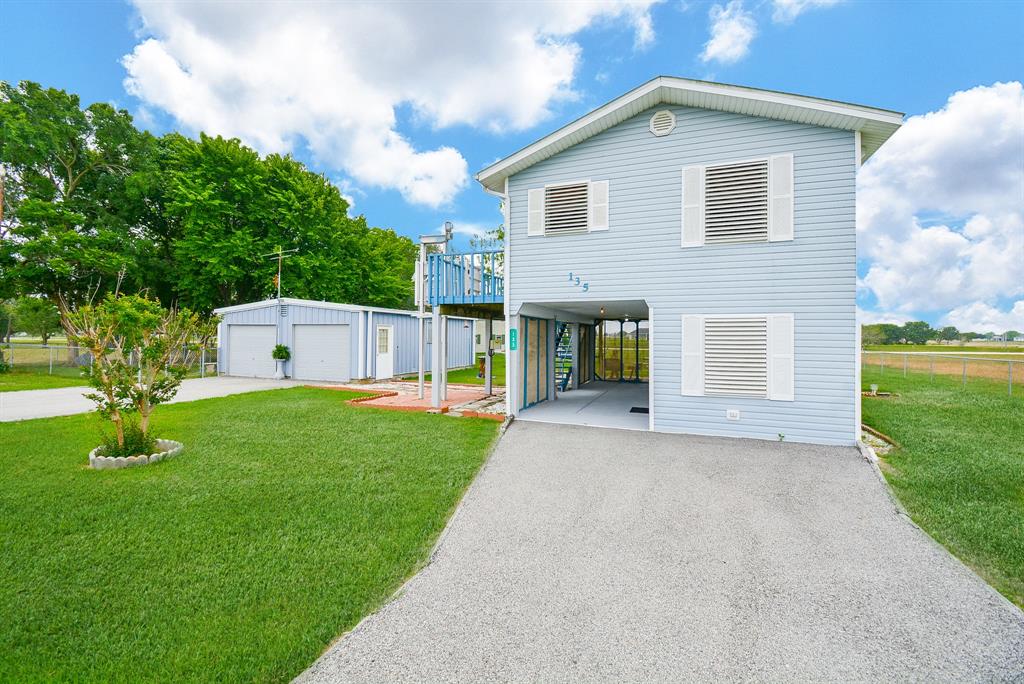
312, 303
846, 116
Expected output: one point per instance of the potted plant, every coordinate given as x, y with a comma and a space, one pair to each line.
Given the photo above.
140, 354
281, 354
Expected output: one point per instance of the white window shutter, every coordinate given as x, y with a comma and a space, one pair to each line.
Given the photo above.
693, 206
535, 211
781, 366
780, 190
693, 356
598, 206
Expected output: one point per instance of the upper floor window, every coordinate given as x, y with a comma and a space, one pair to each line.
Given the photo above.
568, 208
748, 201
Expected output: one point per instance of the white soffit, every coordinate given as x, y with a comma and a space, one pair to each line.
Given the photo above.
875, 125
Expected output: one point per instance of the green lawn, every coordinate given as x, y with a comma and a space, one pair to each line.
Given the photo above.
960, 468
467, 376
947, 348
289, 516
22, 379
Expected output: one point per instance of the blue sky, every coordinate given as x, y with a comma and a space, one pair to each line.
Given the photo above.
401, 103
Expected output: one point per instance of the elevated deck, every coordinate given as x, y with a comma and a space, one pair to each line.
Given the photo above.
470, 284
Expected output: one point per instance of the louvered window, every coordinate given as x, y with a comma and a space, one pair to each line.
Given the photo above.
736, 356
736, 203
565, 207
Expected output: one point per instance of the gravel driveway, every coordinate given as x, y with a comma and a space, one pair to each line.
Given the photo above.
589, 554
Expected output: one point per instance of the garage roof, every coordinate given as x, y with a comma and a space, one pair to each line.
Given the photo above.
308, 302
875, 125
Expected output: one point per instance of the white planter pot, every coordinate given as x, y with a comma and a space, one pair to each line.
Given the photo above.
279, 373
166, 448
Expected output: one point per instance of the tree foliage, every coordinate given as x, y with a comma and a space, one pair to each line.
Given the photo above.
140, 352
36, 316
91, 204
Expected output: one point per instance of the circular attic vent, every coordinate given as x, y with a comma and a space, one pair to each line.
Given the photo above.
663, 122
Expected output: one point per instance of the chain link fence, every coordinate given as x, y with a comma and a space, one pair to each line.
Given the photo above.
963, 366
68, 361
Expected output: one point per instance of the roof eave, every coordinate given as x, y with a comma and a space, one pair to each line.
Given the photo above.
878, 124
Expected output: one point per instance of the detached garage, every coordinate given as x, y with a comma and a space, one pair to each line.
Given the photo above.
330, 342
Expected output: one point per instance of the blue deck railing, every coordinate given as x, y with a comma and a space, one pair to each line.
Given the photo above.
472, 278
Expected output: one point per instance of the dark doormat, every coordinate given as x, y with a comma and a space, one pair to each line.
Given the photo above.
639, 409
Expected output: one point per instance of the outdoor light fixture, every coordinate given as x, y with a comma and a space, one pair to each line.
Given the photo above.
602, 311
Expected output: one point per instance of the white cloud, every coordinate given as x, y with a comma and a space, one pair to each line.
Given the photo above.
981, 317
732, 30
786, 11
869, 317
940, 212
330, 76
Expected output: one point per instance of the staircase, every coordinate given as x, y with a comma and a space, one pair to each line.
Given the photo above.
563, 356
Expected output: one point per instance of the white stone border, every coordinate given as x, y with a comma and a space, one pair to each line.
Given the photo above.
168, 448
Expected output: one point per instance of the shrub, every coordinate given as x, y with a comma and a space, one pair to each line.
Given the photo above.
135, 442
281, 353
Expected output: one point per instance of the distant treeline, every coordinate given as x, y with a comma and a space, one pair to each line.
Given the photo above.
89, 200
920, 332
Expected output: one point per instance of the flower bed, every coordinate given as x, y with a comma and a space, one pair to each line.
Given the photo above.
168, 448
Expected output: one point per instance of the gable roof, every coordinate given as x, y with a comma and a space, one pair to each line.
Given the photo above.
875, 125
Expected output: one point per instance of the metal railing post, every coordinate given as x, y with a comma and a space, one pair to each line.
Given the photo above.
905, 364
1009, 378
882, 355
51, 360
964, 382
202, 362
931, 369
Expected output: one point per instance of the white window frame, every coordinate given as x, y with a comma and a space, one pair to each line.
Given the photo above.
703, 166
773, 356
591, 226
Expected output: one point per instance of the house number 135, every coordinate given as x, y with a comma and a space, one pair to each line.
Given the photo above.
575, 280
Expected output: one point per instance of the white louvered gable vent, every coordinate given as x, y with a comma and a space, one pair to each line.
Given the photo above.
663, 122
736, 356
566, 207
736, 203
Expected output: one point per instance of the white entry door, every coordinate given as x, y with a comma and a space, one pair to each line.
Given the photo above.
249, 350
385, 351
321, 352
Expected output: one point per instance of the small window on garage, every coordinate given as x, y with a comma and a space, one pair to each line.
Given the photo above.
382, 340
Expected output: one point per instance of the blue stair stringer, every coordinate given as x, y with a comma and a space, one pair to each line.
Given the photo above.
563, 356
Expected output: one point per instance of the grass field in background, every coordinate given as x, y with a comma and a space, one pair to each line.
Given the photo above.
19, 379
959, 469
947, 348
289, 516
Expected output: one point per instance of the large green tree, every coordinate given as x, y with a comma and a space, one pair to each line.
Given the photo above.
231, 208
65, 234
37, 316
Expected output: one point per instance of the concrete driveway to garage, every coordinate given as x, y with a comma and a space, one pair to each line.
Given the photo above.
65, 401
590, 554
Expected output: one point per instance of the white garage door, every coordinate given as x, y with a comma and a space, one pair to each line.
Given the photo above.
249, 350
321, 352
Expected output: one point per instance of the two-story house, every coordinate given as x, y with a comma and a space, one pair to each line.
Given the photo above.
681, 259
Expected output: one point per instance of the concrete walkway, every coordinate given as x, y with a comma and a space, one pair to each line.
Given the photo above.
590, 554
65, 401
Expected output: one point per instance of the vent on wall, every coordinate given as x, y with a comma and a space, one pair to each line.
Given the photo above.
663, 122
736, 356
565, 207
736, 203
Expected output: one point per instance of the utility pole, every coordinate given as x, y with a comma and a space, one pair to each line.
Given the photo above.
280, 255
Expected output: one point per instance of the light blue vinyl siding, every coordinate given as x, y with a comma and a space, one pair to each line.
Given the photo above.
813, 277
406, 335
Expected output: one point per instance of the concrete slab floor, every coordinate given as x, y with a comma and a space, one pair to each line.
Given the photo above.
597, 404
